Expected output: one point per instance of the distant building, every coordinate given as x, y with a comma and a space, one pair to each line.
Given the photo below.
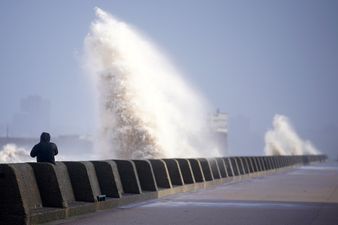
219, 126
33, 117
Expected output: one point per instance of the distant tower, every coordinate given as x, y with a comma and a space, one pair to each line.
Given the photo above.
33, 118
219, 126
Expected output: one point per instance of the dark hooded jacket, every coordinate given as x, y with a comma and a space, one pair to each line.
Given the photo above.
45, 150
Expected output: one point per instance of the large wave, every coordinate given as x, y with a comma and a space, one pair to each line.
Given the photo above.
284, 140
10, 153
145, 107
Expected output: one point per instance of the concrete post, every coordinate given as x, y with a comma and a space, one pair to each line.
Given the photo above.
214, 168
221, 166
197, 170
84, 181
108, 178
206, 169
186, 171
228, 167
161, 173
146, 175
175, 172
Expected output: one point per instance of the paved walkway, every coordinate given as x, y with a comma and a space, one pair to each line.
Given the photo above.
303, 196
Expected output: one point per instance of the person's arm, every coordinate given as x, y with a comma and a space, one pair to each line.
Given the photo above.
55, 150
34, 151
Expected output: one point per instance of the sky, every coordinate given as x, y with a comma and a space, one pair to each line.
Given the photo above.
251, 59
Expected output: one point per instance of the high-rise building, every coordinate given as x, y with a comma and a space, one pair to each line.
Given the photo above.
33, 118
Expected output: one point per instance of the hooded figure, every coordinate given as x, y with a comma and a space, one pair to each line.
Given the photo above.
45, 150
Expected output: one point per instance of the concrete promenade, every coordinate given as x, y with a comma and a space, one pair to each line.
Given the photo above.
306, 195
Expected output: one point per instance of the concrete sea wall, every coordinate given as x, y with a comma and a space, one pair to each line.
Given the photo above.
35, 193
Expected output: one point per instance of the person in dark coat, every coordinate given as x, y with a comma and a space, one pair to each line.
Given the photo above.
45, 150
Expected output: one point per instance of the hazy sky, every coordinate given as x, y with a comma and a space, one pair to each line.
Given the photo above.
252, 59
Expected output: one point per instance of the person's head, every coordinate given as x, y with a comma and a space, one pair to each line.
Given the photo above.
45, 137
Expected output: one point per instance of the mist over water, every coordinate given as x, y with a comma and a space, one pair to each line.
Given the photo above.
282, 139
12, 153
145, 108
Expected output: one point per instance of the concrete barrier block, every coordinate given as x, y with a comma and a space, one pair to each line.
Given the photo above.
256, 164
208, 176
146, 175
251, 165
235, 167
214, 169
174, 171
109, 179
277, 160
186, 171
161, 173
221, 167
56, 190
128, 175
273, 162
270, 163
19, 191
289, 161
262, 162
240, 165
292, 161
197, 170
266, 164
228, 167
285, 161
245, 165
84, 181
48, 183
281, 162
20, 197
305, 160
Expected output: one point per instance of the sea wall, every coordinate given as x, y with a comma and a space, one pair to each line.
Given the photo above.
34, 193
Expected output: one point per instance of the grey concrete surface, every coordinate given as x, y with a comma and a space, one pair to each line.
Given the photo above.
304, 196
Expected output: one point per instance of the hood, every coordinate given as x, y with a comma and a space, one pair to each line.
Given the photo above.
45, 137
